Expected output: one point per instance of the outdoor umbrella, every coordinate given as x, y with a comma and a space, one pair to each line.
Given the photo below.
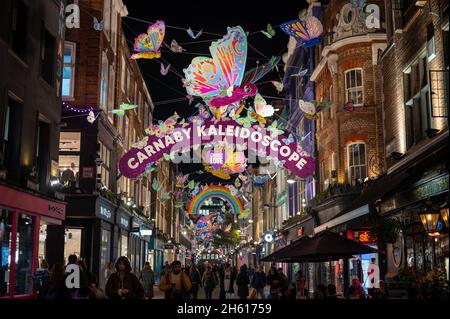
326, 246
281, 252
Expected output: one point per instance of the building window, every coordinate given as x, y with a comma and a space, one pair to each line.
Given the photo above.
68, 80
104, 83
18, 38
417, 97
111, 93
123, 74
126, 136
357, 168
69, 157
331, 101
322, 174
105, 156
333, 169
12, 136
354, 87
48, 47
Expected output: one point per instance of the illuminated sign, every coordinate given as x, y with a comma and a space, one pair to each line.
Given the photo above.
268, 238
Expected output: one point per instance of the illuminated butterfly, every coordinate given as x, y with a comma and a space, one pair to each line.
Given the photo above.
289, 140
262, 108
141, 144
147, 45
183, 123
191, 185
301, 73
153, 129
165, 197
274, 130
259, 181
175, 47
156, 186
309, 109
260, 71
203, 114
124, 107
307, 31
241, 147
245, 213
278, 85
214, 78
218, 173
178, 204
237, 183
98, 26
272, 176
149, 168
243, 178
167, 157
255, 116
195, 191
246, 121
269, 32
91, 117
279, 163
180, 180
192, 35
164, 70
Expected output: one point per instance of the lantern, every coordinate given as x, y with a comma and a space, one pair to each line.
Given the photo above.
430, 221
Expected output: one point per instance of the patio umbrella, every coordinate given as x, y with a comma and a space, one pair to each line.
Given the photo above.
281, 252
326, 246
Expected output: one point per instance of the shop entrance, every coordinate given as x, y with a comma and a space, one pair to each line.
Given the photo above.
72, 240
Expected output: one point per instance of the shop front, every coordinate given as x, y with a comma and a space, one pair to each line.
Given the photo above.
123, 222
156, 247
89, 232
22, 216
138, 243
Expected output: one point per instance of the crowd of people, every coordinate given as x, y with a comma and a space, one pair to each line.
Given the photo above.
181, 283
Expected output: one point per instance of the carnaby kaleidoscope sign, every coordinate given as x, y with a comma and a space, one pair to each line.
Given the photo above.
178, 142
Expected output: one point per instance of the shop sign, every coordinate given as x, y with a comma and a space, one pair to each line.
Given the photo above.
364, 237
88, 172
168, 246
146, 232
124, 221
105, 212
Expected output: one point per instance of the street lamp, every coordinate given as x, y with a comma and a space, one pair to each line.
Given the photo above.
430, 221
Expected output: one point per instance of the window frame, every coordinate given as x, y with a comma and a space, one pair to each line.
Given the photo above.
348, 146
355, 87
72, 65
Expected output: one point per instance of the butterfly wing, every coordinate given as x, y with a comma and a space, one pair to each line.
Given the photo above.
262, 108
278, 85
156, 186
259, 72
126, 106
253, 116
118, 112
152, 40
308, 31
244, 121
307, 107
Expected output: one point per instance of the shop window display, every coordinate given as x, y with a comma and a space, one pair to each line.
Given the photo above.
105, 255
6, 221
24, 255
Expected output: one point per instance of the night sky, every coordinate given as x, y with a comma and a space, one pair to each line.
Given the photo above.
212, 17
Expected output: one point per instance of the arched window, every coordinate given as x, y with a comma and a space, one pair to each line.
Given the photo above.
357, 163
354, 90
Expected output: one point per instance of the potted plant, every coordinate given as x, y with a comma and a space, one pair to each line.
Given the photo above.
434, 285
32, 178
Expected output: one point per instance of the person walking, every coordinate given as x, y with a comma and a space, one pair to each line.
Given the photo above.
176, 283
300, 283
147, 279
209, 281
242, 281
259, 282
57, 288
356, 291
196, 281
123, 284
273, 278
41, 280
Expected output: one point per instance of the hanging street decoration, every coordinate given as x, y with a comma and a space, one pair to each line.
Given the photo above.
216, 191
147, 45
307, 32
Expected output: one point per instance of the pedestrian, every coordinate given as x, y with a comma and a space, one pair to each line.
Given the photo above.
209, 281
275, 292
300, 283
147, 279
196, 281
320, 293
123, 284
57, 288
176, 284
89, 280
41, 280
356, 291
259, 282
242, 281
331, 292
109, 270
82, 292
273, 278
284, 280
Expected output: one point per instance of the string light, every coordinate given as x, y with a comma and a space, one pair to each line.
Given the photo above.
84, 109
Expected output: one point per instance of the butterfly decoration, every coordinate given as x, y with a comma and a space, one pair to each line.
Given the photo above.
255, 116
203, 114
180, 180
245, 214
98, 26
278, 163
141, 144
272, 176
167, 157
243, 178
255, 74
149, 168
218, 173
309, 109
307, 32
165, 197
259, 181
358, 5
91, 117
235, 162
289, 140
300, 73
156, 186
262, 108
195, 191
269, 32
349, 107
233, 190
124, 107
178, 204
213, 79
183, 123
147, 45
245, 121
274, 130
192, 35
237, 183
241, 147
191, 185
227, 228
164, 70
175, 47
163, 128
278, 86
